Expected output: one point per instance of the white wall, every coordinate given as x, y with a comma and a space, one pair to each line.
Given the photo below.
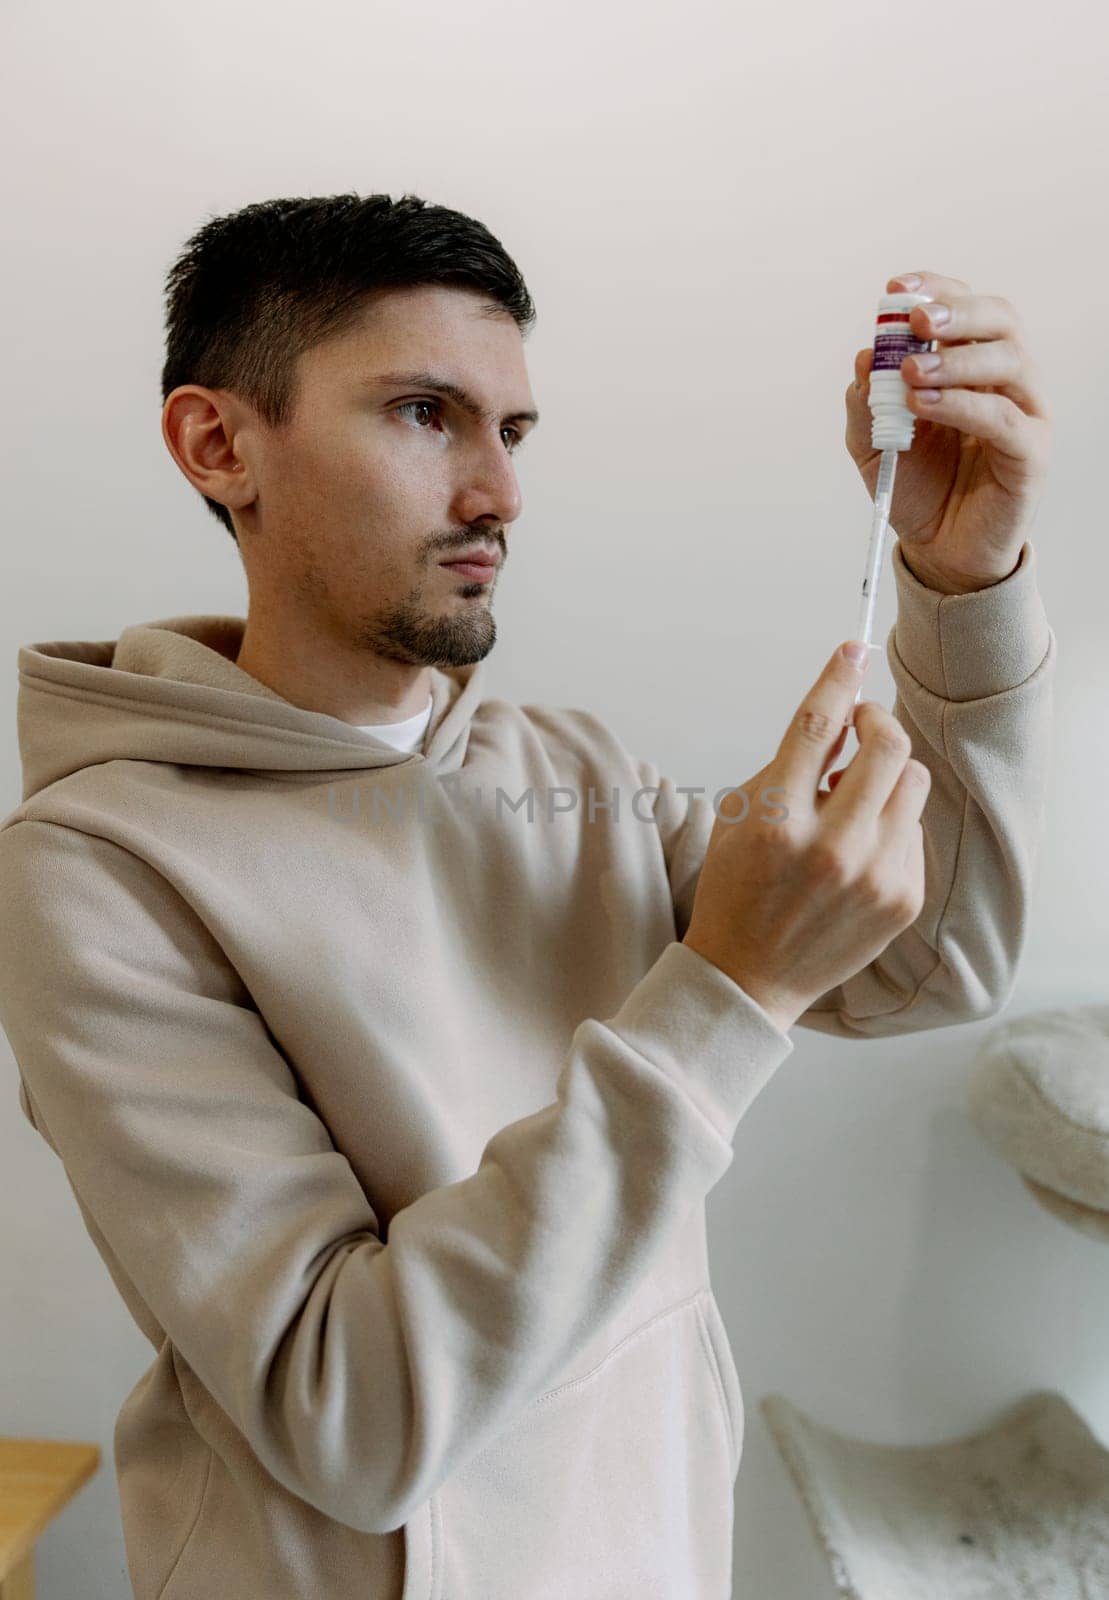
706, 201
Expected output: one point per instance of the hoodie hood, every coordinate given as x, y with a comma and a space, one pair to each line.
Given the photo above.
171, 691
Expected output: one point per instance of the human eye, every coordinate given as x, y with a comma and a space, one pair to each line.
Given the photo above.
422, 405
435, 407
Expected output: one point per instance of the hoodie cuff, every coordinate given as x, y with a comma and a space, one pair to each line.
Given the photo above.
693, 1022
968, 646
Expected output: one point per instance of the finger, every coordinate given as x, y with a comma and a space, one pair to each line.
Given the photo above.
907, 800
914, 853
869, 778
969, 316
931, 283
818, 724
998, 420
858, 433
837, 749
1000, 364
900, 824
911, 866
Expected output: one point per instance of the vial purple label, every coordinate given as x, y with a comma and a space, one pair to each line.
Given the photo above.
892, 345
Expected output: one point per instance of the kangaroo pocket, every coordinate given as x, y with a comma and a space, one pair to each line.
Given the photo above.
615, 1486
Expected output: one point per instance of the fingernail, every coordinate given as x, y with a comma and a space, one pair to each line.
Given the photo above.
856, 653
910, 281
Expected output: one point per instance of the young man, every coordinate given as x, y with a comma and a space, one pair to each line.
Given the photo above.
391, 1036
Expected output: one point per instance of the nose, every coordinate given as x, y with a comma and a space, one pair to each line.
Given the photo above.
489, 488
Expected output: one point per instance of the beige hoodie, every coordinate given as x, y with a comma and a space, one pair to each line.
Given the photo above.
393, 1122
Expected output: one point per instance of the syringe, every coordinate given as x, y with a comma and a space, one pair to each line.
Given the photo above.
892, 427
883, 499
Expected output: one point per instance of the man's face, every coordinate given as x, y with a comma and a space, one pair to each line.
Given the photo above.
366, 493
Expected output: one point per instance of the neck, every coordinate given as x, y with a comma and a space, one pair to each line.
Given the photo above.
318, 672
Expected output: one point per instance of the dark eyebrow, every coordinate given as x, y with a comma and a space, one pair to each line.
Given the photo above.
465, 401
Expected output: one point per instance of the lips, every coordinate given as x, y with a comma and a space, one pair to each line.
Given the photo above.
478, 557
474, 571
477, 565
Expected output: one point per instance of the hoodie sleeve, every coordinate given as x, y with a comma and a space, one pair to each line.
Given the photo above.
974, 675
362, 1373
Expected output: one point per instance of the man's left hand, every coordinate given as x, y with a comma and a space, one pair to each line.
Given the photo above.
966, 492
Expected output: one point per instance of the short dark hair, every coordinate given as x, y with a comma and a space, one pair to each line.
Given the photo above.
252, 290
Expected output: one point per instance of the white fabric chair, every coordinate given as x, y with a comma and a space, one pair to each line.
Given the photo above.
1017, 1510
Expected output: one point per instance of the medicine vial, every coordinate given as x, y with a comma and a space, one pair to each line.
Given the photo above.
891, 426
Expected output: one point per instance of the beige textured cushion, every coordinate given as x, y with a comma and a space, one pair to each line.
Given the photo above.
1039, 1094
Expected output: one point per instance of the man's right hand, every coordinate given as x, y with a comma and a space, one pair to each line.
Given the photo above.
790, 906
